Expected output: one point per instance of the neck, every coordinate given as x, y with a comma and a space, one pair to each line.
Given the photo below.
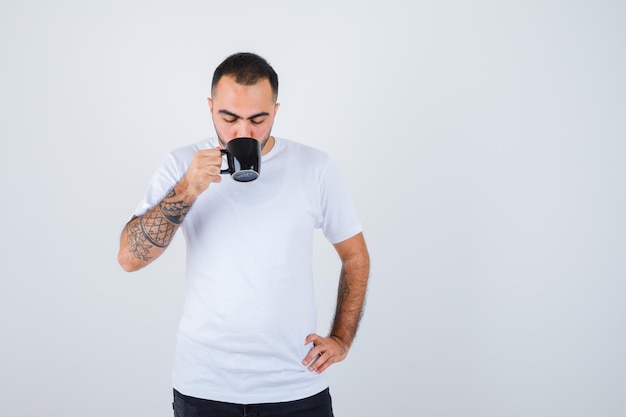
269, 144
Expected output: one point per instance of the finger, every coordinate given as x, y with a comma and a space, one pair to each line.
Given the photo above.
312, 338
315, 351
204, 179
212, 151
208, 155
313, 360
322, 363
213, 170
209, 161
313, 355
215, 178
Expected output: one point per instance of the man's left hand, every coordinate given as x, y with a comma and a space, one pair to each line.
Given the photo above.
326, 351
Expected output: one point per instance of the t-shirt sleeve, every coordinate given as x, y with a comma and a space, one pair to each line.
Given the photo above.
166, 176
339, 220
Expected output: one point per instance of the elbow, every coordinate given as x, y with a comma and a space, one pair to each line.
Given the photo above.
126, 263
358, 261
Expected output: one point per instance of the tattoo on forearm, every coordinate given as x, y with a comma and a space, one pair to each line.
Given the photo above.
174, 211
137, 243
157, 227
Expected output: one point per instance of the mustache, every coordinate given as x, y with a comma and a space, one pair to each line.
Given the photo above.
223, 142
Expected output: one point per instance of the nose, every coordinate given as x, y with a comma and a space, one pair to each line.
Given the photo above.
244, 130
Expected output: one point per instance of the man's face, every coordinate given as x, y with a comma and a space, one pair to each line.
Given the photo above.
243, 110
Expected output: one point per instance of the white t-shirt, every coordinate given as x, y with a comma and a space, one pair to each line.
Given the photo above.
250, 300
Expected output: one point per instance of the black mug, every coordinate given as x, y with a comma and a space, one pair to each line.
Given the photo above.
244, 159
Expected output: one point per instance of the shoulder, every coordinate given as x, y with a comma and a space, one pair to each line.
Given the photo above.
188, 151
308, 154
181, 157
177, 161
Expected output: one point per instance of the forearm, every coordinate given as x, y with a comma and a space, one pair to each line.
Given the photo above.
146, 237
350, 297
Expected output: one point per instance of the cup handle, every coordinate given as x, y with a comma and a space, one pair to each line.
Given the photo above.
227, 170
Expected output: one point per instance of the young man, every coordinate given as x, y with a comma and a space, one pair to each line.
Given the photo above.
246, 341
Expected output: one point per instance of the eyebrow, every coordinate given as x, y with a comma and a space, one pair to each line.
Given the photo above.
229, 113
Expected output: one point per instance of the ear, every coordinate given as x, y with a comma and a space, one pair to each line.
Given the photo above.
276, 106
210, 104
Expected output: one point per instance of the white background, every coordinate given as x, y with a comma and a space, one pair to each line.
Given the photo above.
483, 143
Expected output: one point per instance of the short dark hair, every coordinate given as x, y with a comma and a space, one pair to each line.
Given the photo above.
248, 69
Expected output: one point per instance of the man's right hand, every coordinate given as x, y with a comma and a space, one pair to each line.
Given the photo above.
204, 169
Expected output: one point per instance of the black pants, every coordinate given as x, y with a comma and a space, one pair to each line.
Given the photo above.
319, 405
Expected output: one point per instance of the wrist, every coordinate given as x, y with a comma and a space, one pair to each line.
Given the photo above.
184, 191
176, 204
342, 341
